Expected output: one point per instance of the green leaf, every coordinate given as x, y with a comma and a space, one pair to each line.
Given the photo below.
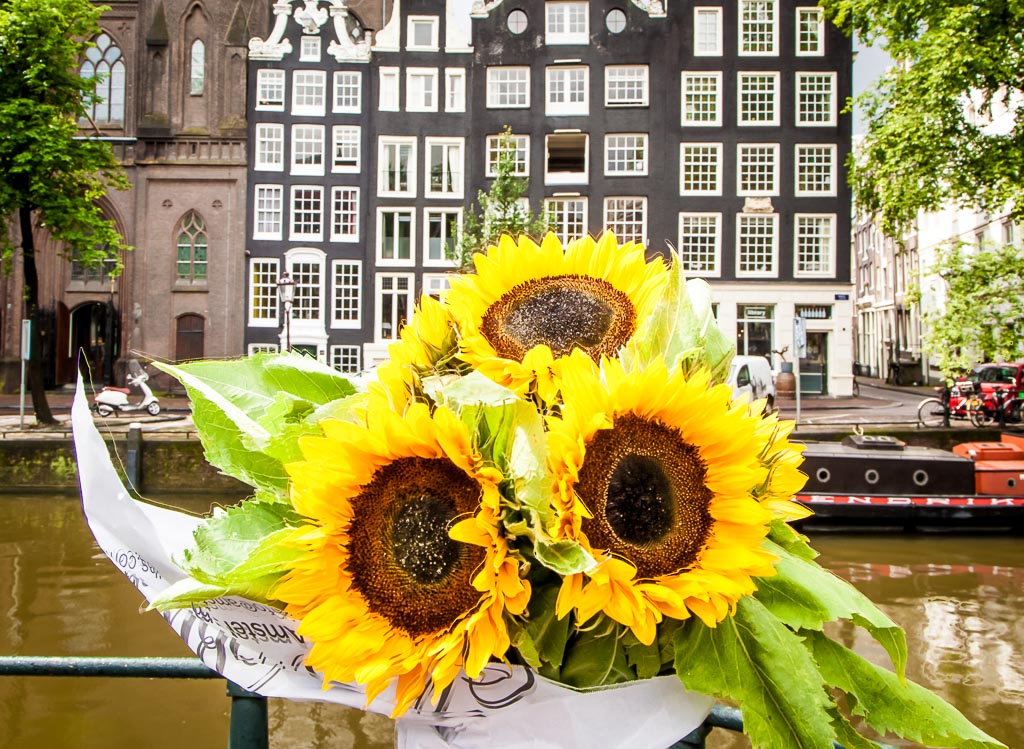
847, 735
542, 633
889, 704
645, 659
596, 656
805, 596
756, 661
186, 592
789, 539
563, 557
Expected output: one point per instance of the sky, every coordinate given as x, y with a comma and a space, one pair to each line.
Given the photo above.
868, 64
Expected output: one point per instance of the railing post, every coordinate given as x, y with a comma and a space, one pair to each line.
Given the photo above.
133, 458
695, 739
249, 726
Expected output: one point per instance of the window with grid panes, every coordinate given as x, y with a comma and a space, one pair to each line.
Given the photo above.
269, 147
309, 49
566, 22
757, 172
517, 147
270, 89
421, 89
508, 88
308, 92
810, 31
307, 212
307, 149
815, 244
269, 212
815, 169
261, 348
707, 31
192, 247
394, 236
397, 167
758, 98
346, 286
815, 98
756, 244
445, 167
455, 89
625, 85
344, 214
348, 91
701, 97
442, 236
307, 274
625, 154
347, 359
394, 303
758, 20
435, 284
700, 168
568, 217
700, 241
567, 90
627, 218
346, 147
263, 301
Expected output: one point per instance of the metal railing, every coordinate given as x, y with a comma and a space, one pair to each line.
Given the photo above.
249, 725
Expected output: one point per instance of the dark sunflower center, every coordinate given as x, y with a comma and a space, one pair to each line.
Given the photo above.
563, 313
645, 486
402, 560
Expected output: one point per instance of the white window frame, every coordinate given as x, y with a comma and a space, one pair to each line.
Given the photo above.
742, 76
717, 50
455, 89
832, 99
642, 144
396, 262
562, 223
436, 284
350, 81
337, 353
741, 148
294, 235
310, 49
819, 51
383, 143
337, 141
269, 137
567, 178
493, 150
356, 288
302, 326
378, 308
419, 98
622, 237
774, 221
440, 262
494, 96
715, 270
833, 169
568, 106
774, 32
256, 215
830, 251
336, 192
262, 84
273, 270
433, 23
717, 149
688, 75
390, 89
298, 136
642, 79
559, 11
317, 82
445, 144
261, 348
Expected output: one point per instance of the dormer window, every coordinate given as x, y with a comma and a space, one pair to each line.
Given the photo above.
567, 22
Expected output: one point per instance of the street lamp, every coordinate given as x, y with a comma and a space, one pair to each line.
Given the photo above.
286, 292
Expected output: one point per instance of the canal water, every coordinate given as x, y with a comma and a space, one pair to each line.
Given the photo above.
960, 599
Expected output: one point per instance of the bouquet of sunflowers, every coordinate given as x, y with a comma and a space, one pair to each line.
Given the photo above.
548, 473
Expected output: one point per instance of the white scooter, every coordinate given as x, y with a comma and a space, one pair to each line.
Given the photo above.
112, 399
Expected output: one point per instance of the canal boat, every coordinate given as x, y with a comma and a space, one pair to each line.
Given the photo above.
877, 481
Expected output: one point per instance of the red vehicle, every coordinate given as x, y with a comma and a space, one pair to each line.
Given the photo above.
999, 387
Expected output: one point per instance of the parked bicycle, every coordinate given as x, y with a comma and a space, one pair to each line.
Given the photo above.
961, 400
1002, 405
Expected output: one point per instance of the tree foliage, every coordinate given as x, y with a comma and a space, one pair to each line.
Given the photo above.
503, 209
983, 316
930, 138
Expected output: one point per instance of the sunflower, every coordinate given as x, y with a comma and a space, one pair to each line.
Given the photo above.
527, 307
404, 576
670, 486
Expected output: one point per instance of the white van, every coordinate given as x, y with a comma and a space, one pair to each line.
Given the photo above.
753, 375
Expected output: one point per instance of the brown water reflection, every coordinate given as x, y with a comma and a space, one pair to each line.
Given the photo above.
959, 598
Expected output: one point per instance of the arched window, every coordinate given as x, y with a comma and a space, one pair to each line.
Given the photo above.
104, 62
192, 245
198, 68
189, 335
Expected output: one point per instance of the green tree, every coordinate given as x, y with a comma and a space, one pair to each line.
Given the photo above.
928, 139
48, 178
500, 210
983, 315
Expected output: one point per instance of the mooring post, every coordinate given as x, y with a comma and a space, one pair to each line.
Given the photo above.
133, 460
